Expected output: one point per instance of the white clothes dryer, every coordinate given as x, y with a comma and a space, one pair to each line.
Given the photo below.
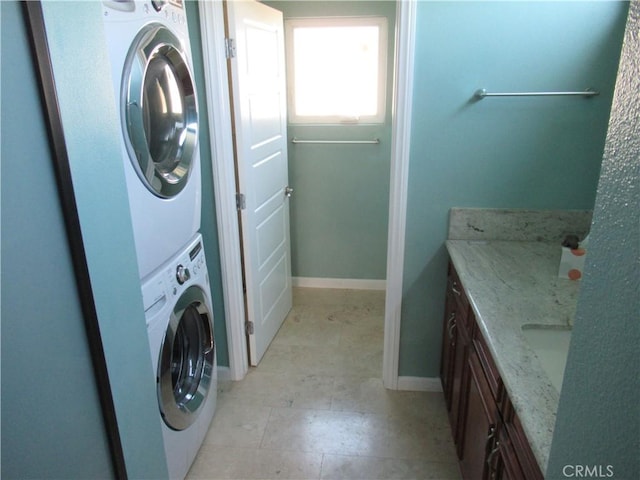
149, 50
179, 317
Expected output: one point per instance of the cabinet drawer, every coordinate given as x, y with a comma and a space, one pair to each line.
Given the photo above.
488, 364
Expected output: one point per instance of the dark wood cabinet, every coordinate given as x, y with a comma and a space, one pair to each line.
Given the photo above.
456, 339
489, 438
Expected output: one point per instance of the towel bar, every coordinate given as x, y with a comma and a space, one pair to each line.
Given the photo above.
375, 141
482, 93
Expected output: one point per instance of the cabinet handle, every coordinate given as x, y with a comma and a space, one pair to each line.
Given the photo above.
451, 329
492, 433
493, 454
452, 317
491, 470
455, 290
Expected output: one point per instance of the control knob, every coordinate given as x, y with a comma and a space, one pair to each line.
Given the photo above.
182, 274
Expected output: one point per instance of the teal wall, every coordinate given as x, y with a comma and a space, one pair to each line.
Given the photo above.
92, 134
535, 153
208, 225
51, 416
603, 359
340, 208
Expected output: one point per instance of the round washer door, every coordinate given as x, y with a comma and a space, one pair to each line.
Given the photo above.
186, 360
159, 109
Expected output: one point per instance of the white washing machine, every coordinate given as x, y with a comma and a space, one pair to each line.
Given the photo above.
179, 315
151, 65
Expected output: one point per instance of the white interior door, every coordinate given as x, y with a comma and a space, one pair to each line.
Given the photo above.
259, 105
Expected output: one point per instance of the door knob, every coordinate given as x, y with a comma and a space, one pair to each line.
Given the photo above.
288, 191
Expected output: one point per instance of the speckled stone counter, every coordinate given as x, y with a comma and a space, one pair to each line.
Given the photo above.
511, 284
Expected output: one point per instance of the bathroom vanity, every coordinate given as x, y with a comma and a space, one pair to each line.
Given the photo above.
505, 341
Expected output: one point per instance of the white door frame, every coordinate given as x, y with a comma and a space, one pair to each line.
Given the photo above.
217, 93
224, 182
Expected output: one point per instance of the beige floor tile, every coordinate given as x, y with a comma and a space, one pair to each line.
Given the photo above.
283, 390
320, 296
363, 360
369, 333
328, 360
367, 394
321, 431
339, 297
308, 325
304, 360
214, 462
372, 468
317, 401
355, 314
237, 425
353, 433
405, 437
224, 386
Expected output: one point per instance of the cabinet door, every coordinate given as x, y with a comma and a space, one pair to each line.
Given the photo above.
520, 443
455, 316
455, 344
459, 381
502, 462
480, 423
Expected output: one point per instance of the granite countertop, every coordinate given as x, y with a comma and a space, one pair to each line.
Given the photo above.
511, 284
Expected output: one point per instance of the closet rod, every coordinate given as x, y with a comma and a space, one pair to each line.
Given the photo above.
375, 141
481, 93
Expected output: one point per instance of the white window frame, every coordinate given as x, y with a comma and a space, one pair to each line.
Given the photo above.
381, 23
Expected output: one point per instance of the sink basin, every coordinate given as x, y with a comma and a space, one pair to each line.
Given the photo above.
551, 345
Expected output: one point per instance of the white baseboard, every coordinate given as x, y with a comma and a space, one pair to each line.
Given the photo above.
349, 283
420, 384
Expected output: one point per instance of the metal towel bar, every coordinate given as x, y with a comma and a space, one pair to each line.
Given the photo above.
375, 141
481, 93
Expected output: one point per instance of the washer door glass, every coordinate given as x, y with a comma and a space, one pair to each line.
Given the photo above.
160, 111
186, 361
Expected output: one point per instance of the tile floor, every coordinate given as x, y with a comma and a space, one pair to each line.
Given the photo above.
315, 407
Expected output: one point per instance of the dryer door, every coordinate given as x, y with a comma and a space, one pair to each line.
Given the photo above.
159, 110
186, 360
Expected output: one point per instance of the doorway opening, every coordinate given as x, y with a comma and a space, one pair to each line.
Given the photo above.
212, 22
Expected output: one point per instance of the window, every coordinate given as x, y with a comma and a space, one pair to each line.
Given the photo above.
336, 69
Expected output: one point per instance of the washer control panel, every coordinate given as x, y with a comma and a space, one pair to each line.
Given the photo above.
160, 4
182, 274
185, 269
171, 11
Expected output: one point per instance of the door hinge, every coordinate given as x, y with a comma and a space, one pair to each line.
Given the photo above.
241, 202
249, 328
229, 47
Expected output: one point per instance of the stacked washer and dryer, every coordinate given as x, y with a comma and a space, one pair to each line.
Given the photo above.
150, 56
